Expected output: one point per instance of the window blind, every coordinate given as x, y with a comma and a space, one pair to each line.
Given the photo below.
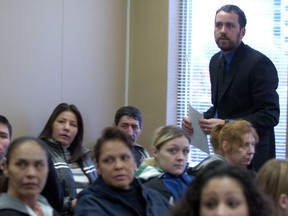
266, 31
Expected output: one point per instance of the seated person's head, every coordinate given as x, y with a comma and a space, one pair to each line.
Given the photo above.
225, 190
115, 162
236, 142
26, 168
65, 125
5, 135
272, 179
170, 148
129, 120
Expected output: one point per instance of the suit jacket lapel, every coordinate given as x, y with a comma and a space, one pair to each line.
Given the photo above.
215, 79
231, 72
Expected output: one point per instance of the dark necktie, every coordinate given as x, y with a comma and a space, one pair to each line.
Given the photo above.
223, 67
222, 74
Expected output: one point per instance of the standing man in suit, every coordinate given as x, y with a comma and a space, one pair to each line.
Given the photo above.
243, 84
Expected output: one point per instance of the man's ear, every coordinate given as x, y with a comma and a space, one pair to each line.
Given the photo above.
283, 201
242, 32
141, 128
114, 125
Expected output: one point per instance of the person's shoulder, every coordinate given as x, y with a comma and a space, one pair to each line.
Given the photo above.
90, 202
146, 172
53, 147
255, 58
86, 194
11, 212
156, 195
138, 146
250, 49
141, 150
96, 189
151, 191
85, 150
210, 162
7, 199
157, 202
156, 184
9, 204
153, 182
89, 197
210, 159
43, 200
86, 158
250, 52
216, 56
187, 178
93, 189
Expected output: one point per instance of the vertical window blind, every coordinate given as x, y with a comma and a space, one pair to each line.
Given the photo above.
266, 31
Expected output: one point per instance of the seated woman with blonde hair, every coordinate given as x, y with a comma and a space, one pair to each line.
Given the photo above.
166, 170
272, 179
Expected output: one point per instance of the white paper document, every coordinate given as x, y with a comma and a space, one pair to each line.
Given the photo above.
198, 138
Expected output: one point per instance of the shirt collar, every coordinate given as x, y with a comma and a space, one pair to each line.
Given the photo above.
228, 57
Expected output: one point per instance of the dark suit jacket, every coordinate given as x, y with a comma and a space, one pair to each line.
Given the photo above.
249, 93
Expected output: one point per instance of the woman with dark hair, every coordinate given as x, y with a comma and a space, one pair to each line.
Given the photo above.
63, 134
225, 190
26, 169
117, 192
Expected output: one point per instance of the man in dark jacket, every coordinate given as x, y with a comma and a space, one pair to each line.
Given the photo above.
129, 120
243, 84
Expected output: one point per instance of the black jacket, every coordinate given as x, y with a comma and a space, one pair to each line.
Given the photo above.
53, 190
100, 199
249, 93
65, 175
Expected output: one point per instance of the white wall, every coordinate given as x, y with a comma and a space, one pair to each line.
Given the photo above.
61, 51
